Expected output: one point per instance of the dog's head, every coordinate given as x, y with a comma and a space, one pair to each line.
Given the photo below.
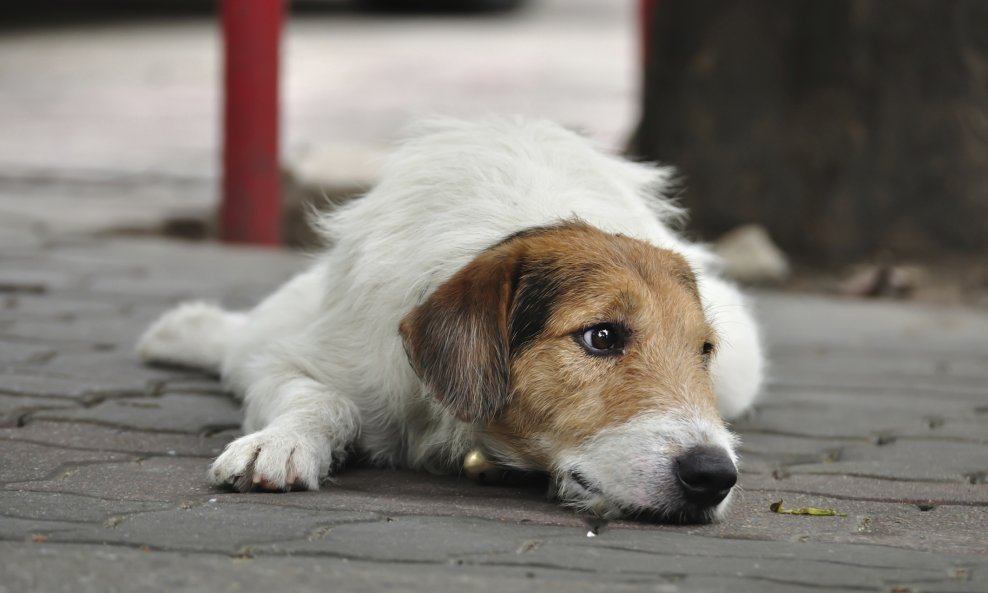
586, 355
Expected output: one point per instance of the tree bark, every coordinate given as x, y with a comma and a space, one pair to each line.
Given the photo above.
846, 127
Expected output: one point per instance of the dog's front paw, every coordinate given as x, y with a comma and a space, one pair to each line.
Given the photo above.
273, 460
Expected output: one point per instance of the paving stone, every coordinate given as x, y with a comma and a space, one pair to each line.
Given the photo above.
681, 559
866, 488
116, 331
944, 528
60, 507
19, 353
908, 460
766, 452
161, 260
34, 281
15, 240
99, 569
84, 390
162, 289
13, 408
112, 205
164, 479
20, 462
56, 307
659, 556
858, 325
213, 527
87, 436
119, 366
60, 255
124, 271
433, 539
877, 369
973, 428
392, 492
828, 413
195, 384
171, 412
31, 530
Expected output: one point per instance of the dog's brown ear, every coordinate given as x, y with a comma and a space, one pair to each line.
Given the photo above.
457, 340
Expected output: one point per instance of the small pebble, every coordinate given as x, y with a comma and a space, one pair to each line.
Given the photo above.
591, 533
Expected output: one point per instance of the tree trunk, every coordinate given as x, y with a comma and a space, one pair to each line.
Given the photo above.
846, 127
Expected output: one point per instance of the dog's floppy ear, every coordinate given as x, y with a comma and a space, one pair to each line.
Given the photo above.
457, 340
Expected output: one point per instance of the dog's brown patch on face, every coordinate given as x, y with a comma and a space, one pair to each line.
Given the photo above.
560, 393
524, 373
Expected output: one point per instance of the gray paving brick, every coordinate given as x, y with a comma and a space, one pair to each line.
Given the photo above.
30, 530
20, 461
869, 488
105, 332
197, 383
112, 365
217, 527
194, 414
853, 414
390, 492
946, 528
34, 281
878, 369
860, 325
19, 353
83, 436
18, 383
19, 238
13, 408
94, 569
908, 460
60, 507
129, 477
54, 307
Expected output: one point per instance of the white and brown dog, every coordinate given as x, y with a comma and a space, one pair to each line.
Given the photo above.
509, 288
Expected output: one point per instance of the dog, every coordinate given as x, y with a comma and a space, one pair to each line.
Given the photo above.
507, 288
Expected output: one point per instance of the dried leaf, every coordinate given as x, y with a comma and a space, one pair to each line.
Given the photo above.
776, 507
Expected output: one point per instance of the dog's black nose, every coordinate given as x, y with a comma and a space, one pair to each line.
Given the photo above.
706, 475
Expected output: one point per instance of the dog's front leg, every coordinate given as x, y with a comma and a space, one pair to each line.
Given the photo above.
302, 427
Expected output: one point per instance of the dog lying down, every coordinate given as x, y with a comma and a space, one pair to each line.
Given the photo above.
507, 288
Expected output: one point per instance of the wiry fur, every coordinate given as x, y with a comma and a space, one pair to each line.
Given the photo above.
321, 363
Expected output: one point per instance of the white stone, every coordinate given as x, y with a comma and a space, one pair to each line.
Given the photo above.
750, 256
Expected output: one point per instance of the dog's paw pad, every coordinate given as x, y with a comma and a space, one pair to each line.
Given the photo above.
269, 460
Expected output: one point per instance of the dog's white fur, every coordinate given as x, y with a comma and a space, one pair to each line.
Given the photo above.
320, 363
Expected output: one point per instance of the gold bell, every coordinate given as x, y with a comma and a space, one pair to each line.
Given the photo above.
478, 468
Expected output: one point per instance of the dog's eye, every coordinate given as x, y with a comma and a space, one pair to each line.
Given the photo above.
603, 340
707, 349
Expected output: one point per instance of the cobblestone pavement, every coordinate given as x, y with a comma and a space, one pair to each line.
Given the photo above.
877, 410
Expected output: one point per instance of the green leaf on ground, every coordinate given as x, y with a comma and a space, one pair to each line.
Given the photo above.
776, 507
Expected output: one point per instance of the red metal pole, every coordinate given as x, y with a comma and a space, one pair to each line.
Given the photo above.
251, 208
